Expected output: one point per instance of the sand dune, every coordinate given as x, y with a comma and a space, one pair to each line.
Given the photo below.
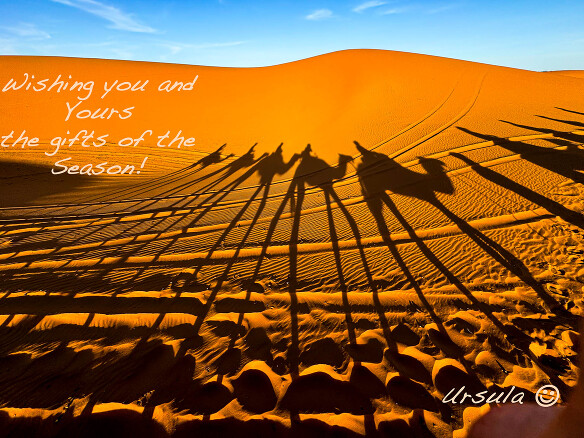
573, 73
431, 236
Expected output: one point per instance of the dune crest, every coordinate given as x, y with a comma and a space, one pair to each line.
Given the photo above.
350, 237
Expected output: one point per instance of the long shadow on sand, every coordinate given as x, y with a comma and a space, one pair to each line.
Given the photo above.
168, 373
146, 188
552, 206
379, 174
98, 275
567, 163
23, 183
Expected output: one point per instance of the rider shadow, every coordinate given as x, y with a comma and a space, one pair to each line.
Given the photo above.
214, 157
531, 195
378, 174
315, 172
142, 187
268, 168
568, 163
570, 111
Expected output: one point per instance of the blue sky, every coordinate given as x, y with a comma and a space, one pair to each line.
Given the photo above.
536, 35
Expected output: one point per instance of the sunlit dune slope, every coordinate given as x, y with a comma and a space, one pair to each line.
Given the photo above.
430, 237
328, 101
572, 73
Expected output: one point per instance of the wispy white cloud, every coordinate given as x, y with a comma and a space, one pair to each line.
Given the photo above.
443, 8
213, 45
394, 11
173, 48
368, 5
8, 47
26, 30
177, 47
320, 14
104, 49
15, 38
118, 19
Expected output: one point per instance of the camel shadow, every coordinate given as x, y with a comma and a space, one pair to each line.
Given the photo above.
531, 195
315, 172
379, 174
570, 111
267, 168
567, 163
564, 135
214, 157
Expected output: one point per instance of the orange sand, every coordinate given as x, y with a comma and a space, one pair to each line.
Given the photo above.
573, 73
339, 288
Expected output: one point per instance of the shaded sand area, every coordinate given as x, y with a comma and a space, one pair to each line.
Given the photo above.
430, 236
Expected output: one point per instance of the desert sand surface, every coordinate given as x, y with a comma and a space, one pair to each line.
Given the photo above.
572, 73
352, 236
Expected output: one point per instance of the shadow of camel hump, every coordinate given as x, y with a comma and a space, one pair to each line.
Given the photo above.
316, 172
274, 164
567, 163
223, 297
552, 206
214, 157
379, 174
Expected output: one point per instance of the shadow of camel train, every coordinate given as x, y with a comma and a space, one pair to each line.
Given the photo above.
380, 178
